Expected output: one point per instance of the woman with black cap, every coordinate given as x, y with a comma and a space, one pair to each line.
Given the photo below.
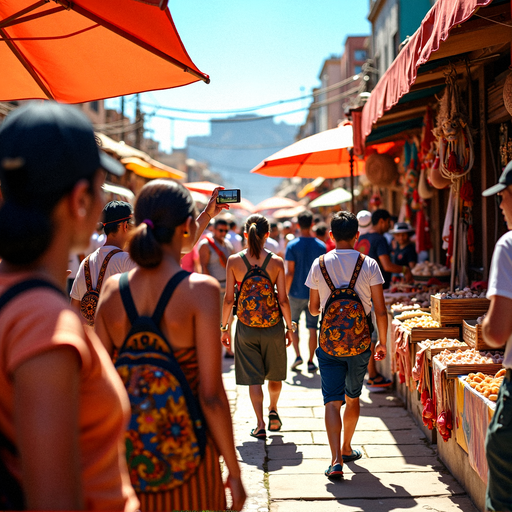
63, 408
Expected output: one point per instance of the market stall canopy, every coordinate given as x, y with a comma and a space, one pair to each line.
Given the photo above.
244, 204
86, 50
310, 187
151, 169
117, 190
444, 32
325, 154
275, 203
119, 149
332, 198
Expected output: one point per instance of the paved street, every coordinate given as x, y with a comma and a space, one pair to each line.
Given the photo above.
399, 470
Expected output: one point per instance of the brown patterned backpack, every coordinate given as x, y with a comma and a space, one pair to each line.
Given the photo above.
89, 301
345, 327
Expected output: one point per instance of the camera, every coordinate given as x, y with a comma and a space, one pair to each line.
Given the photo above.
231, 195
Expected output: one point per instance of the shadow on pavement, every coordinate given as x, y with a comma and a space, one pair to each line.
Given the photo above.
305, 380
375, 489
282, 454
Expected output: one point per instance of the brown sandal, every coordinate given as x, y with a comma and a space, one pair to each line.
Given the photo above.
274, 421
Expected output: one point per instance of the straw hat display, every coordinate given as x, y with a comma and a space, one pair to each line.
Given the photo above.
381, 170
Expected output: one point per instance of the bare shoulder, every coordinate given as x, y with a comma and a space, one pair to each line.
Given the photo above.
277, 261
203, 282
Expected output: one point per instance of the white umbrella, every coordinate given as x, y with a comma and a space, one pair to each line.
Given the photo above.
332, 198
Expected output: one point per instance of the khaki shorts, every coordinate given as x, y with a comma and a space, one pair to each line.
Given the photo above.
260, 354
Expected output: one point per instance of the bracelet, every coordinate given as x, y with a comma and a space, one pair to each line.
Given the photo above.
293, 328
224, 329
204, 211
404, 269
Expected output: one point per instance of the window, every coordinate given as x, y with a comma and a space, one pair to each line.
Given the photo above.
95, 105
360, 55
357, 70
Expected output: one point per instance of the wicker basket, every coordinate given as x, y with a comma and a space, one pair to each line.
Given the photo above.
381, 170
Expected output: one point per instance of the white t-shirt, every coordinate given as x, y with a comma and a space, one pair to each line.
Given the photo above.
340, 265
272, 245
119, 263
235, 239
500, 281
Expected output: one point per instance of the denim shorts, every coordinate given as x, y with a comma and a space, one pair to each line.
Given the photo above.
298, 306
498, 449
342, 375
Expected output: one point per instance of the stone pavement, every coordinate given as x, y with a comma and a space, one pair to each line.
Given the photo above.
399, 470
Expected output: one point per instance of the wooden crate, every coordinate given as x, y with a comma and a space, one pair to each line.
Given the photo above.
454, 311
431, 352
454, 370
433, 333
472, 335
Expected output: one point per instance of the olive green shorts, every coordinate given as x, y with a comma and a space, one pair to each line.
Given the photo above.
260, 354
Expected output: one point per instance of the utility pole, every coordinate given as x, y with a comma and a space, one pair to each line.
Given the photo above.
139, 130
122, 117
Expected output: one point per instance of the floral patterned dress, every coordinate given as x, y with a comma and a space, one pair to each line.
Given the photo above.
205, 489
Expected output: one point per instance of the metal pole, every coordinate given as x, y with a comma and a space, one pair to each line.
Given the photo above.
455, 234
351, 160
122, 117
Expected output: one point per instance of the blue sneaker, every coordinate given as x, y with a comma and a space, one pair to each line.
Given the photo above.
298, 361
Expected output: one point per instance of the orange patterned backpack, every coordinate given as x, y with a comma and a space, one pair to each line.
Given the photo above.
344, 330
89, 301
257, 304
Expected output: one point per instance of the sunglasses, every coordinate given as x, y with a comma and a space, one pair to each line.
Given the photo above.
222, 230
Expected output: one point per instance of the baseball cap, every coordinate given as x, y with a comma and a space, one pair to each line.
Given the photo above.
364, 218
402, 227
116, 211
45, 148
504, 181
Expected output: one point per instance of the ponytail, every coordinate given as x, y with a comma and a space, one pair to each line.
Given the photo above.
256, 228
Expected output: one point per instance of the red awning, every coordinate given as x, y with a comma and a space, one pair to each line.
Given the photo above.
397, 80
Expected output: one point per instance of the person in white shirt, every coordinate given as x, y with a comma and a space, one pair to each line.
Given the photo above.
497, 333
117, 223
342, 377
233, 237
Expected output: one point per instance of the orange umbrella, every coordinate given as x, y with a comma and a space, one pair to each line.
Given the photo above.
288, 213
244, 204
204, 187
275, 203
85, 50
325, 154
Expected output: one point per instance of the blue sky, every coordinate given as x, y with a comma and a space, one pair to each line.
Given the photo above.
256, 52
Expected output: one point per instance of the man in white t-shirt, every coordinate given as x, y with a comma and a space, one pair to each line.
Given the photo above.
117, 222
497, 332
342, 377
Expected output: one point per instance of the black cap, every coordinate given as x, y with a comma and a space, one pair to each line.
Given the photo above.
116, 211
45, 148
504, 181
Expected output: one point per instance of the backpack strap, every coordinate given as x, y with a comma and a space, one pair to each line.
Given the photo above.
87, 274
103, 269
357, 269
24, 286
167, 294
245, 260
222, 257
129, 305
267, 259
126, 295
326, 275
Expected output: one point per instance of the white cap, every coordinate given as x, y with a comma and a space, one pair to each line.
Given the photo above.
364, 218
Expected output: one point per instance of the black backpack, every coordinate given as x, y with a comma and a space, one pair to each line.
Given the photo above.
345, 329
166, 437
11, 493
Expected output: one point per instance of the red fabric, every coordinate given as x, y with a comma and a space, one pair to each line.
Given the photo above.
397, 80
